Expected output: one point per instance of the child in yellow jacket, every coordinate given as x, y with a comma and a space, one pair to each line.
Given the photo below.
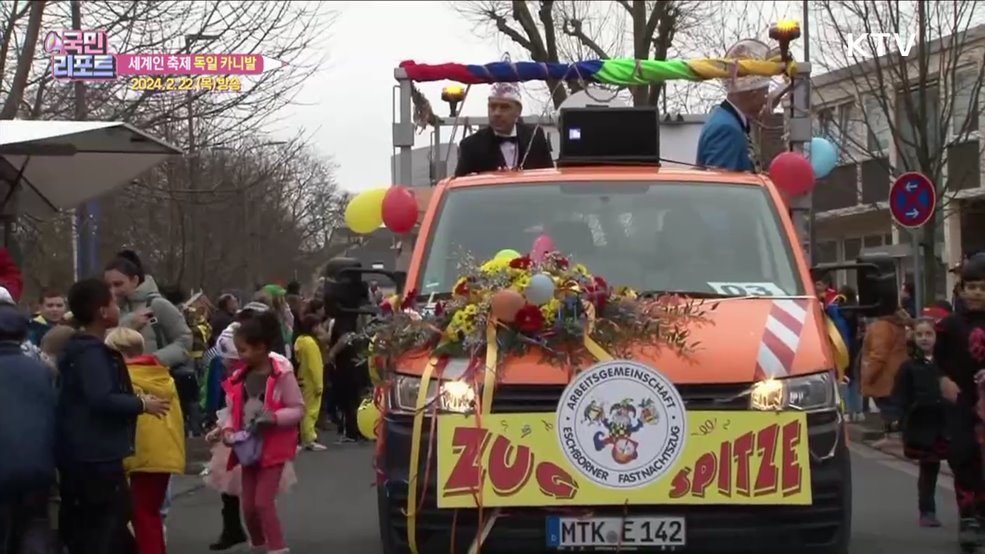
310, 372
160, 441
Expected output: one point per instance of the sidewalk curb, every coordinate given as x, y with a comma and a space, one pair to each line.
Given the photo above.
866, 436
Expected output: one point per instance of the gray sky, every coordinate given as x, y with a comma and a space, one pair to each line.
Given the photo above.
348, 105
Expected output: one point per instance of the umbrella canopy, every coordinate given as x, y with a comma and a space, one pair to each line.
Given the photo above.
62, 164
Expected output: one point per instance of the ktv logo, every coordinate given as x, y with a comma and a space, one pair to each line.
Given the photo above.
80, 55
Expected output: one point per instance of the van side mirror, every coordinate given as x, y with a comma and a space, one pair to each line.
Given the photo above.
876, 284
345, 292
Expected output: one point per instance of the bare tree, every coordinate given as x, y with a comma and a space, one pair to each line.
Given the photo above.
241, 205
915, 110
24, 53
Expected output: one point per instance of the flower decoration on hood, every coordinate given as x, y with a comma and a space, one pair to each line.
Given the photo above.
546, 306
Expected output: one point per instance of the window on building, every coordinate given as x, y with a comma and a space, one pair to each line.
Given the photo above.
872, 241
824, 122
826, 252
851, 248
835, 124
964, 114
876, 126
909, 116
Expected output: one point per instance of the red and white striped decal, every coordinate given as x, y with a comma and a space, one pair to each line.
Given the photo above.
781, 338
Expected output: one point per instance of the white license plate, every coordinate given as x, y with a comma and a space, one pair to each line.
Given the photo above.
628, 532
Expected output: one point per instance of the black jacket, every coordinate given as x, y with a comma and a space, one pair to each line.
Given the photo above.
918, 396
480, 152
27, 419
97, 409
953, 354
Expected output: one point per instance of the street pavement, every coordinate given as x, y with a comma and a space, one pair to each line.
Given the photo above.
333, 507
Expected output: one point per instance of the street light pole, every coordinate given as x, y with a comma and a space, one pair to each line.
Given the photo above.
192, 159
84, 237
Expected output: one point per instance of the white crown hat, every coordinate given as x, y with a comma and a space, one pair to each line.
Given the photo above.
748, 49
506, 91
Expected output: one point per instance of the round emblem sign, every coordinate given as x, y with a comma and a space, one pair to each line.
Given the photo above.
622, 424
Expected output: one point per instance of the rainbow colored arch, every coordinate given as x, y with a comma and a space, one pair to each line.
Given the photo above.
619, 71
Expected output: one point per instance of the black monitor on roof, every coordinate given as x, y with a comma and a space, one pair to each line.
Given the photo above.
606, 136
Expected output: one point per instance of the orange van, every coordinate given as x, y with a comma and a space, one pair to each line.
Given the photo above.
765, 366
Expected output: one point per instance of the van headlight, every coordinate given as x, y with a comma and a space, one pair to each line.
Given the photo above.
452, 396
805, 393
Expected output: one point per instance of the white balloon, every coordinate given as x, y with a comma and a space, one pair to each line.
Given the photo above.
540, 291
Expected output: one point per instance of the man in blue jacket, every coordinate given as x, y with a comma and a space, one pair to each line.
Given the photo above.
725, 141
96, 423
27, 440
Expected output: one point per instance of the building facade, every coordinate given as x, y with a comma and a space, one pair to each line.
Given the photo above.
851, 204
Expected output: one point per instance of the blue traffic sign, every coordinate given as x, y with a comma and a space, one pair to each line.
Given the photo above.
912, 199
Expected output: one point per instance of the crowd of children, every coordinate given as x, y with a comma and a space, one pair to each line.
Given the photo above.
101, 378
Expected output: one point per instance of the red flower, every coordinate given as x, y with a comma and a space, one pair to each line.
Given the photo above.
386, 308
439, 309
529, 319
463, 288
597, 292
561, 261
523, 262
409, 299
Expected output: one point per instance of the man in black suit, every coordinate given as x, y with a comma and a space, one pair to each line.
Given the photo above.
504, 143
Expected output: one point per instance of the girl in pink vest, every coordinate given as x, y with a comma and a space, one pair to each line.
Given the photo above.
266, 406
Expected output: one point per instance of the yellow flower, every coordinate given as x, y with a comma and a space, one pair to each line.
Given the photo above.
495, 266
580, 268
549, 311
626, 292
521, 282
469, 311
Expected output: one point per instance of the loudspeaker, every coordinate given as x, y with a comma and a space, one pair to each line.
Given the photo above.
619, 135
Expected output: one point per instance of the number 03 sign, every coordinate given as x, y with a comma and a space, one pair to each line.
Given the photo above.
747, 289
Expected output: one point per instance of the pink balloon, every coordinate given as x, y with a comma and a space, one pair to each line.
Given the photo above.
543, 245
792, 173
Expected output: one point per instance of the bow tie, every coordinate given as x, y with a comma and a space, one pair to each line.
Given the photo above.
502, 139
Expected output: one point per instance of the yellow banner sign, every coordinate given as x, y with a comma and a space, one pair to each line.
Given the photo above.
537, 459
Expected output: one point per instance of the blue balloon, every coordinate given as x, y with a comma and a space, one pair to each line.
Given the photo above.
823, 156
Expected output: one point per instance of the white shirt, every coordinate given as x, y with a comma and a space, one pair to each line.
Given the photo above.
509, 149
742, 116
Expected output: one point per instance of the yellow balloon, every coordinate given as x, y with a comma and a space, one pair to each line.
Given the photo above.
507, 254
366, 418
364, 214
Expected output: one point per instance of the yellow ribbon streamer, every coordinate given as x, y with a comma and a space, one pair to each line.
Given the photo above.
842, 358
415, 453
489, 376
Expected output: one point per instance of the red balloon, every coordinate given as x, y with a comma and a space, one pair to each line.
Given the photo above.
399, 209
792, 173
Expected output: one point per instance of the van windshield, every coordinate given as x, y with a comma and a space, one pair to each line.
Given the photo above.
668, 237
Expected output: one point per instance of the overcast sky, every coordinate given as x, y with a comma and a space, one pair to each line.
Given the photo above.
348, 106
